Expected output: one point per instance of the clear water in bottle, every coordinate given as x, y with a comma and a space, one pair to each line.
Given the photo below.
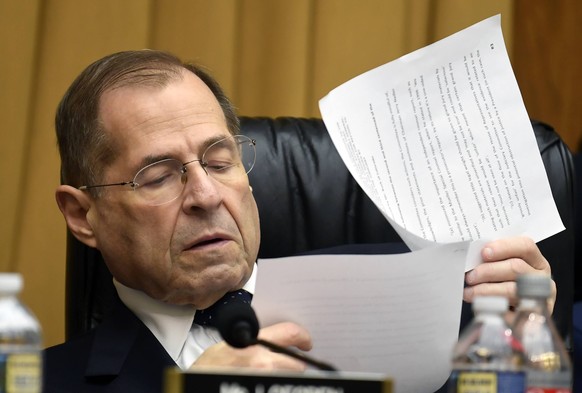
548, 366
486, 357
20, 341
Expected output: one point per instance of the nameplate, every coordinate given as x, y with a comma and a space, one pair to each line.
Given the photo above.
252, 381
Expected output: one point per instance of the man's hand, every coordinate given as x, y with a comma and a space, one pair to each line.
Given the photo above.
285, 334
504, 260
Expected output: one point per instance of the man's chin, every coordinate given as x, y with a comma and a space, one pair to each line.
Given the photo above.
210, 283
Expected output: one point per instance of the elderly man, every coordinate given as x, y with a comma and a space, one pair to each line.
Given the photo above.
155, 177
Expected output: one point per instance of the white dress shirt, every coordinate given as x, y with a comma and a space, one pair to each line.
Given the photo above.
172, 324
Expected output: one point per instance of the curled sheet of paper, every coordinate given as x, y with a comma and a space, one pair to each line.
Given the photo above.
397, 315
441, 142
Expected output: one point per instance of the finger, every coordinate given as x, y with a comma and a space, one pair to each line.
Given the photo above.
506, 289
520, 247
255, 356
278, 361
500, 271
259, 357
287, 334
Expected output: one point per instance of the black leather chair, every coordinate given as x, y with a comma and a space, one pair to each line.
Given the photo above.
308, 200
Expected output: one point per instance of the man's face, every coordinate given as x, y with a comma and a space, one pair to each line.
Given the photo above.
197, 247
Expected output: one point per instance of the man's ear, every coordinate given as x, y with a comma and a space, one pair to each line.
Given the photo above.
74, 204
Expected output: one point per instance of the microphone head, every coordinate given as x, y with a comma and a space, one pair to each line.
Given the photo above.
238, 325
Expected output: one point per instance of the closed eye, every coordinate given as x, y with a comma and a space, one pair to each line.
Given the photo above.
219, 166
158, 181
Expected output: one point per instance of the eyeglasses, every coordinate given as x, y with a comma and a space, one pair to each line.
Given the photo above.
163, 181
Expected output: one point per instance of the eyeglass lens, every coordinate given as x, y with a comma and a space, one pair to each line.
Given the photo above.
225, 160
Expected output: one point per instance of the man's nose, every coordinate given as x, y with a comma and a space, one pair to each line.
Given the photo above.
200, 189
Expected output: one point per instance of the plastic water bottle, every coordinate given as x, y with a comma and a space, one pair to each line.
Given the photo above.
487, 358
548, 366
20, 341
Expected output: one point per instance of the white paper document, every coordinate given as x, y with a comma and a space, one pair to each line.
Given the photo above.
441, 142
397, 315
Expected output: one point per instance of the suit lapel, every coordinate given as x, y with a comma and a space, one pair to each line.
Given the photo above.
122, 342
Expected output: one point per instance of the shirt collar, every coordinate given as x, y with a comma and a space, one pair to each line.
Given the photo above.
169, 323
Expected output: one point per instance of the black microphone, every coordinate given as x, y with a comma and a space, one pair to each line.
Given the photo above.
239, 327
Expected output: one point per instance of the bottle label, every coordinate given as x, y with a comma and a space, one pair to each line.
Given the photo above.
21, 373
487, 381
533, 389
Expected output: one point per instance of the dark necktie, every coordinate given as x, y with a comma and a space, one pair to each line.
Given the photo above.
207, 316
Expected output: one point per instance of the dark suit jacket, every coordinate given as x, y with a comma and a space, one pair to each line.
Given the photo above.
120, 355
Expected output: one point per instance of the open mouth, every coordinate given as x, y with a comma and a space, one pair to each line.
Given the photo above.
207, 243
211, 241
